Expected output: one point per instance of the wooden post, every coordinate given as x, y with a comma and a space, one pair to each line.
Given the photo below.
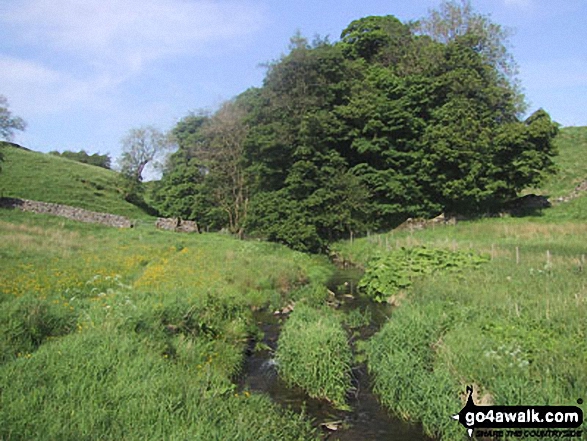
548, 260
492, 251
517, 255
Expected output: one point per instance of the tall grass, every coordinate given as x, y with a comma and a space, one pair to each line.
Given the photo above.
107, 385
136, 334
515, 327
313, 353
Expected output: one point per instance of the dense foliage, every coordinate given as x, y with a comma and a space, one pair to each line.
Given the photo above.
388, 274
82, 156
393, 120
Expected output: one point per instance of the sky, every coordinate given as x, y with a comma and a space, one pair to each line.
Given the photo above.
82, 73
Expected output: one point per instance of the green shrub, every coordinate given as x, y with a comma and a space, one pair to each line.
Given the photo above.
401, 360
387, 274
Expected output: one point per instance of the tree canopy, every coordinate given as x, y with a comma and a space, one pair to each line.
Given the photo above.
103, 161
140, 147
393, 120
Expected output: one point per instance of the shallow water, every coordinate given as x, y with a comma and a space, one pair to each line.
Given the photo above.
367, 421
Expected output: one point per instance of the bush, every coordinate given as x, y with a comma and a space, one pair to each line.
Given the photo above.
401, 360
387, 274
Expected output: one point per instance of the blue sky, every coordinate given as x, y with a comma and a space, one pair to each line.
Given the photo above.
84, 72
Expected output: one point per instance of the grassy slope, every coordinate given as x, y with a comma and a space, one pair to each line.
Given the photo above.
571, 162
136, 334
43, 177
516, 327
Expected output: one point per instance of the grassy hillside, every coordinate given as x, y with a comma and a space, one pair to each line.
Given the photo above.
571, 161
43, 177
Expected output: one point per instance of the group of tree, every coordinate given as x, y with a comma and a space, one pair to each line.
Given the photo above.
394, 120
103, 161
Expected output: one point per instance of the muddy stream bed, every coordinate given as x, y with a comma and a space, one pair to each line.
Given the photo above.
367, 421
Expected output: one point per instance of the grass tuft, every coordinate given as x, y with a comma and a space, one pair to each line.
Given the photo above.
313, 353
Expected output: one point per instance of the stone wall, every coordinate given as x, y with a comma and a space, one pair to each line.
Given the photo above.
176, 224
73, 213
420, 224
81, 215
578, 191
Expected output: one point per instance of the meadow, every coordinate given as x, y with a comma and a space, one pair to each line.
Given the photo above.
514, 326
137, 334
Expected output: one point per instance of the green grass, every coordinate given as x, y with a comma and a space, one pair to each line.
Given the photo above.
109, 385
515, 327
139, 334
313, 353
136, 334
571, 162
48, 178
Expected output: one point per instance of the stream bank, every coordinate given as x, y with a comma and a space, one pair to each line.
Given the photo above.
367, 420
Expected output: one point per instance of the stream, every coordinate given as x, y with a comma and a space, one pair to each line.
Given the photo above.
367, 421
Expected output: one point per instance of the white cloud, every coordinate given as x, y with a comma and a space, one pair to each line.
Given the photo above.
131, 32
34, 89
68, 54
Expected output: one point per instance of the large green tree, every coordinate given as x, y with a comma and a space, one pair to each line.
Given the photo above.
207, 179
181, 191
416, 118
455, 19
393, 120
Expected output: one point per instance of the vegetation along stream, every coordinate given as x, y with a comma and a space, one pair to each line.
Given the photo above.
366, 420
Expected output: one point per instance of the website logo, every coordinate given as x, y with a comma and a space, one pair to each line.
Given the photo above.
518, 419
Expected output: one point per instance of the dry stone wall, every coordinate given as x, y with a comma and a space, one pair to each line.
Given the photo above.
73, 213
81, 215
176, 224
